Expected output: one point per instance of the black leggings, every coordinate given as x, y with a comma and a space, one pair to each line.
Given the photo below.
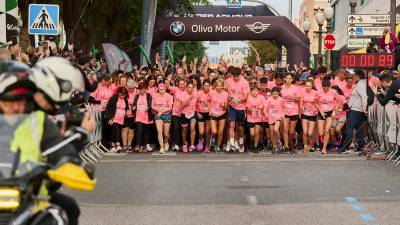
106, 131
142, 133
116, 137
69, 205
176, 130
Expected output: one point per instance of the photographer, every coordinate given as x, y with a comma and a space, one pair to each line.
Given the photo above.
391, 86
357, 116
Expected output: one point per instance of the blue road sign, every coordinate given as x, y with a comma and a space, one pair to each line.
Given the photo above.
359, 31
43, 19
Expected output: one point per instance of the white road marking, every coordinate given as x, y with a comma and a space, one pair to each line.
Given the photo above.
244, 178
252, 200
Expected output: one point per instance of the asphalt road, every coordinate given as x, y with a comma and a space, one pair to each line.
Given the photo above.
242, 189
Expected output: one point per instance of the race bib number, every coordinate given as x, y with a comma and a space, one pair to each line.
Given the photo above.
254, 113
204, 107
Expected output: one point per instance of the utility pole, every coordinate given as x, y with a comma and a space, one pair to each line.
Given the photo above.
290, 9
393, 15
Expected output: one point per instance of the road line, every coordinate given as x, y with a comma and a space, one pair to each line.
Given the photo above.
367, 217
244, 178
252, 200
350, 199
359, 207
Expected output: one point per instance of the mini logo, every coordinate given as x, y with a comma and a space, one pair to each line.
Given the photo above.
177, 28
258, 27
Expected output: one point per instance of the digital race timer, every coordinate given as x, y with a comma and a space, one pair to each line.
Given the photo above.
366, 60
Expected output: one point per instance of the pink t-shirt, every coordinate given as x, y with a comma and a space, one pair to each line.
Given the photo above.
327, 100
103, 94
120, 112
190, 109
163, 102
179, 95
271, 84
289, 93
216, 102
275, 109
347, 92
202, 102
310, 101
254, 108
339, 111
237, 90
339, 83
152, 91
141, 110
318, 83
131, 97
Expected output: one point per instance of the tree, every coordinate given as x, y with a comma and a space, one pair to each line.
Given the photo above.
192, 49
115, 21
266, 49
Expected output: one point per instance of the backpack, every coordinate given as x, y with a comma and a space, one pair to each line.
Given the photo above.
149, 109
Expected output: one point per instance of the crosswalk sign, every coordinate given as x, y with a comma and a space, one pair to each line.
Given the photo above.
43, 19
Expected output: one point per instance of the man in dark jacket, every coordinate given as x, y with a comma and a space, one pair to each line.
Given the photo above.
391, 89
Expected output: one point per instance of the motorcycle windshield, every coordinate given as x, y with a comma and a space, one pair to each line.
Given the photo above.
9, 157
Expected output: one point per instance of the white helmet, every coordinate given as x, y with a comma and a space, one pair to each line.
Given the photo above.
58, 78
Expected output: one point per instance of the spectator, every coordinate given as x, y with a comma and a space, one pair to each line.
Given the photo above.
388, 41
392, 88
5, 55
358, 105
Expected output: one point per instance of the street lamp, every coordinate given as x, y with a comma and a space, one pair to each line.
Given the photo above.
320, 18
306, 26
328, 13
353, 4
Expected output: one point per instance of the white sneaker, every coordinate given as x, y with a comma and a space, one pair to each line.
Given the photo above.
149, 148
118, 149
166, 147
241, 149
175, 148
237, 147
228, 147
113, 149
161, 151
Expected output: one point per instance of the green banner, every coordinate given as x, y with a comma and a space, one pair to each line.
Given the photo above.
170, 55
143, 51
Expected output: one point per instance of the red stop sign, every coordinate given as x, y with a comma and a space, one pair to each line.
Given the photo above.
329, 41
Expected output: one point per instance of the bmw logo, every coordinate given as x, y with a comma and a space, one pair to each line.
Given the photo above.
177, 28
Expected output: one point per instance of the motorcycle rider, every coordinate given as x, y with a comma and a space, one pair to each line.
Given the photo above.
16, 98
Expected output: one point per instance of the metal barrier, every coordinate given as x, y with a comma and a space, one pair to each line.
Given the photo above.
385, 125
93, 151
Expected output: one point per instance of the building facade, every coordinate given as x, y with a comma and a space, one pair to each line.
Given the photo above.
342, 9
308, 9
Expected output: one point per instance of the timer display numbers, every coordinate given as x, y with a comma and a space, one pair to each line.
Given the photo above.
366, 60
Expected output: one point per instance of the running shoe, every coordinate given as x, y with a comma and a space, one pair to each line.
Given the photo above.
184, 149
207, 149
217, 149
175, 148
166, 147
200, 144
118, 149
192, 148
149, 148
161, 151
113, 149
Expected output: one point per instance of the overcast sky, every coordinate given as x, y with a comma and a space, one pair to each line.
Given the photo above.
282, 6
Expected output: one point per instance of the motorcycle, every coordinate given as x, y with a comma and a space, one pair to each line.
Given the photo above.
22, 201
